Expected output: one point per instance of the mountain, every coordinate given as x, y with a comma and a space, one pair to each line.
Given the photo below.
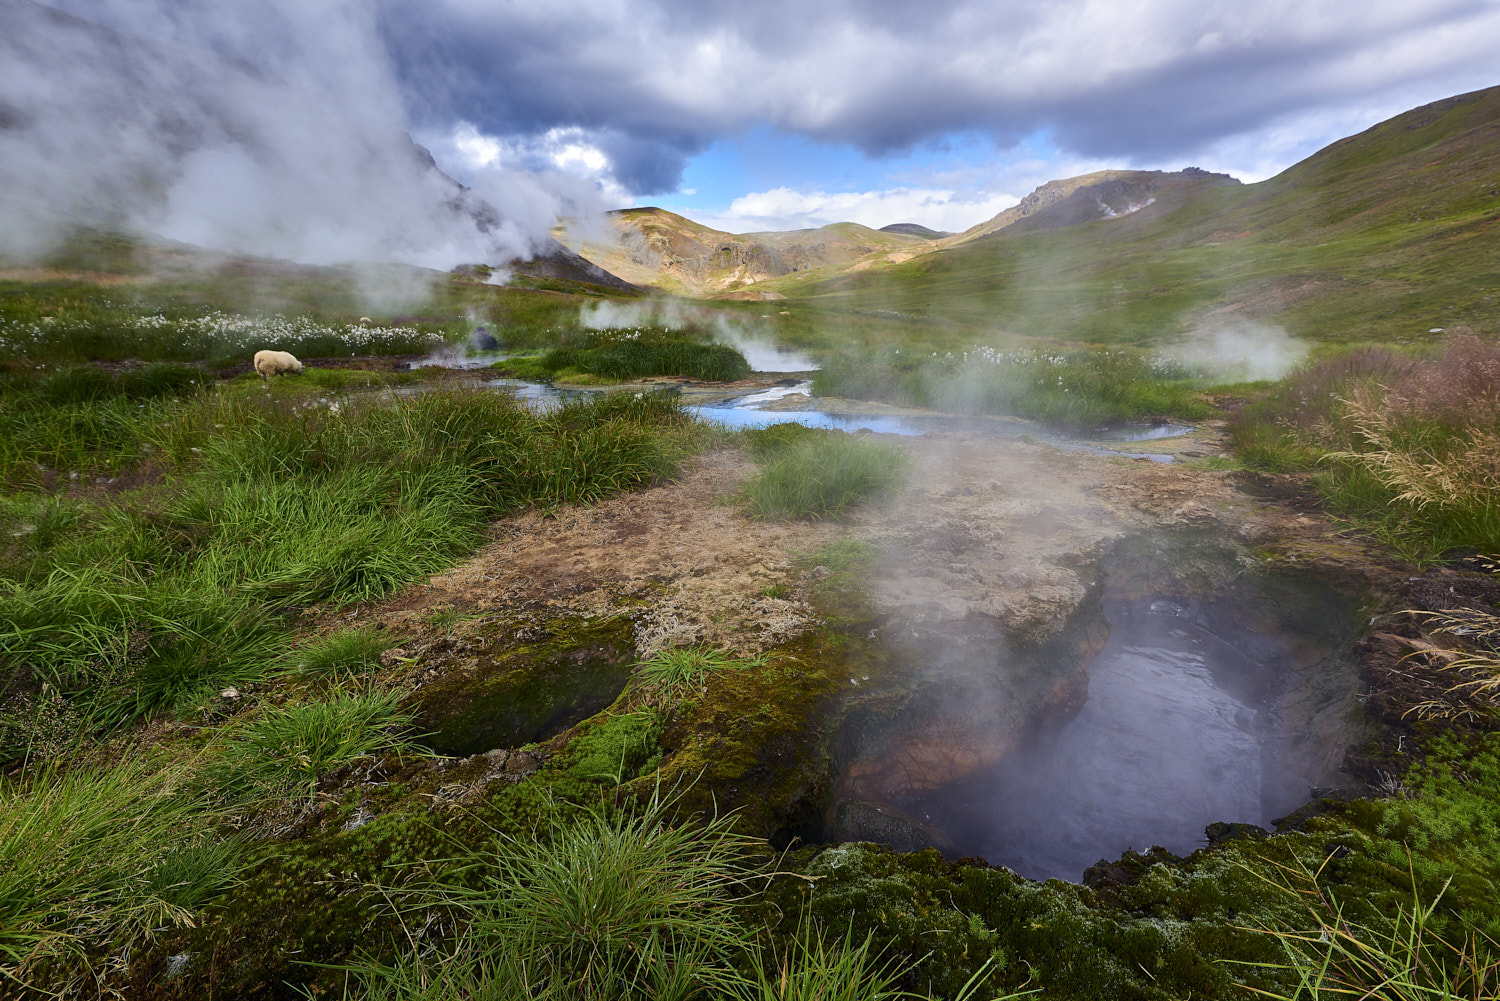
914, 229
651, 246
1104, 194
1388, 234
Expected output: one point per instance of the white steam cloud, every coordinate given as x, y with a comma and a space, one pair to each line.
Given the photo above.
1241, 350
756, 341
274, 129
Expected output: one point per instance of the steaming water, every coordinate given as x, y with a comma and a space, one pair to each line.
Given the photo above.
751, 411
765, 357
1196, 712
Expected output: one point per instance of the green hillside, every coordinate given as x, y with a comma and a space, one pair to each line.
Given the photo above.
1381, 236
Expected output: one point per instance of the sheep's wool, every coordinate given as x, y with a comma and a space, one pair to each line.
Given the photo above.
269, 363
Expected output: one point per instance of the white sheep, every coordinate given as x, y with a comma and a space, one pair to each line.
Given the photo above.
269, 363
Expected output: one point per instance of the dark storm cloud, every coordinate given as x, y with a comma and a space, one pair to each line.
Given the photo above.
656, 81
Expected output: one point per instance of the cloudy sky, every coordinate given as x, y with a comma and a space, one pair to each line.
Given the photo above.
789, 113
282, 119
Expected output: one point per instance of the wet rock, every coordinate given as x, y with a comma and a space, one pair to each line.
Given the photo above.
1219, 833
500, 690
482, 340
885, 826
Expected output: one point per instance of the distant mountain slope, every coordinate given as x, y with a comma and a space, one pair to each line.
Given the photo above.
914, 229
651, 246
1387, 234
1104, 194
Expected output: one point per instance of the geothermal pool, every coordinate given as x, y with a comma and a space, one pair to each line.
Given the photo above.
1228, 699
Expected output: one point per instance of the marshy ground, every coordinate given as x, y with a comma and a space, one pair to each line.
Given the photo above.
488, 642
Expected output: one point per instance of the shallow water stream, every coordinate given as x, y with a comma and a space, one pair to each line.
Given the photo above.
793, 402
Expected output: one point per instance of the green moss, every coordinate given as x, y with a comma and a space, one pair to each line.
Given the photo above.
615, 748
527, 682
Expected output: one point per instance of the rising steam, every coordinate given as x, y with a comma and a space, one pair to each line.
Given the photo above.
756, 341
275, 129
1241, 350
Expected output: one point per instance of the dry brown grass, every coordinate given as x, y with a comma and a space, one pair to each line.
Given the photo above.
1422, 466
1460, 388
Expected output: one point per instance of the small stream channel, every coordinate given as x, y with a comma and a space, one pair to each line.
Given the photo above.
792, 401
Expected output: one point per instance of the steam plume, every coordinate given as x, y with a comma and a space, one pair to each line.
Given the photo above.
276, 129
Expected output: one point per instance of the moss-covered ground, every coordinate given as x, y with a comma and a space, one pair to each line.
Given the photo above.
159, 606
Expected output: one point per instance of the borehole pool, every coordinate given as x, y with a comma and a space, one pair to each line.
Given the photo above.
1227, 701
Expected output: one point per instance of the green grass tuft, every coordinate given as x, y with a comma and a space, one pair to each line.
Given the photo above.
92, 858
823, 477
341, 654
284, 749
689, 667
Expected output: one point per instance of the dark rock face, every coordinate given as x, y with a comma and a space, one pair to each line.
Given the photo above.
482, 340
553, 260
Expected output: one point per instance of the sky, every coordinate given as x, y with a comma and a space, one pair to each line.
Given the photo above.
790, 113
279, 127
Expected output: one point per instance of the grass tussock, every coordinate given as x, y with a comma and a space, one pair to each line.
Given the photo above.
1409, 447
284, 749
340, 654
690, 667
822, 476
608, 356
94, 858
152, 598
623, 904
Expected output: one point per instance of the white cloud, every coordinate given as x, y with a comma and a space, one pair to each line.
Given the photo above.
784, 209
1139, 82
476, 149
469, 154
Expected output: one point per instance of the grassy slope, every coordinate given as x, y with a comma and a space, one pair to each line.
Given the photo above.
1381, 236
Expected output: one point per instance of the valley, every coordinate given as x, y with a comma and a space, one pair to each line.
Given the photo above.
1097, 601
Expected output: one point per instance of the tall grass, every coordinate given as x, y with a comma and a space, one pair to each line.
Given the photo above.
628, 904
341, 653
99, 858
824, 477
618, 355
284, 749
151, 598
1399, 958
1409, 447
